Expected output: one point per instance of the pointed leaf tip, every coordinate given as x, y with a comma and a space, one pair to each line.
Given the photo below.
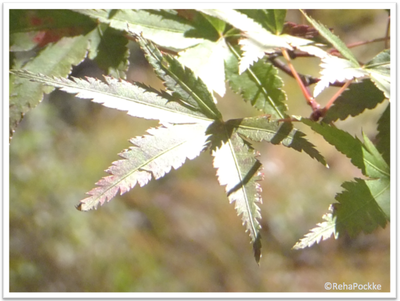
257, 249
152, 155
322, 231
238, 169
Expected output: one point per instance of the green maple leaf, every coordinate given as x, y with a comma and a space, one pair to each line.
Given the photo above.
256, 41
259, 85
383, 136
239, 169
263, 129
67, 38
55, 59
364, 204
354, 101
321, 232
163, 27
271, 19
153, 155
379, 70
191, 122
334, 40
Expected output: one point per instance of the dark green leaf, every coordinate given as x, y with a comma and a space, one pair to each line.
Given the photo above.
181, 81
55, 59
334, 40
364, 156
109, 49
358, 209
37, 28
343, 141
383, 136
260, 85
270, 19
379, 69
354, 101
375, 165
262, 129
218, 24
152, 155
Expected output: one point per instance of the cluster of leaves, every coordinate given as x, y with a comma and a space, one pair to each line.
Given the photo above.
208, 48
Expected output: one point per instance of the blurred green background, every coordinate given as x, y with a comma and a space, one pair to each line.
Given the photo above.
179, 233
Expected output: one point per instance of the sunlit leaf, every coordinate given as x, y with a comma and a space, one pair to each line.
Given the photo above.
334, 40
206, 60
260, 85
375, 165
163, 27
355, 100
180, 80
55, 59
335, 69
152, 155
263, 129
359, 209
270, 19
238, 169
322, 231
109, 49
379, 69
344, 142
257, 40
124, 96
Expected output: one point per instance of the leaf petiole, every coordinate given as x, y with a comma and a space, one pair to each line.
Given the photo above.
310, 100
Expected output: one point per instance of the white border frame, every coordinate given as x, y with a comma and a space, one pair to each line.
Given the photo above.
192, 5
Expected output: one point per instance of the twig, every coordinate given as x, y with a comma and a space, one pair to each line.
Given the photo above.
310, 100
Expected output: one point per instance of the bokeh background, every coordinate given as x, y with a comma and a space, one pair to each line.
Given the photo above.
179, 233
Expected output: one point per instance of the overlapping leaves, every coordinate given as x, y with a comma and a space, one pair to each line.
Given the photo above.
189, 117
191, 122
364, 204
60, 39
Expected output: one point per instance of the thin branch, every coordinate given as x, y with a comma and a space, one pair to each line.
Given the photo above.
310, 100
387, 34
306, 79
337, 94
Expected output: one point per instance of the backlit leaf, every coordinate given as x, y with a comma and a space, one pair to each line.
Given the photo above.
257, 40
334, 40
124, 96
182, 81
322, 231
163, 27
270, 19
259, 85
358, 209
364, 156
206, 60
335, 69
55, 59
238, 169
379, 69
263, 129
383, 136
152, 155
354, 101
